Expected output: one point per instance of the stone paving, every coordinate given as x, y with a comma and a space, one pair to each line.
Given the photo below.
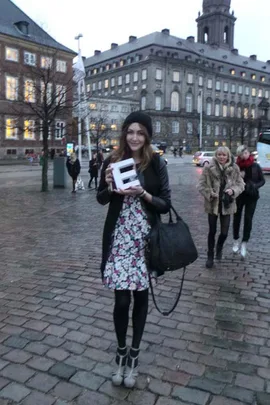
57, 340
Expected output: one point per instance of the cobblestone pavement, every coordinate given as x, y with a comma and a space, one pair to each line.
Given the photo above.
57, 342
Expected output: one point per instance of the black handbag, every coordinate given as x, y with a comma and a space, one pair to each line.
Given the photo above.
169, 247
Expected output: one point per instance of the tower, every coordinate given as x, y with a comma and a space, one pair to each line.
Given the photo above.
216, 24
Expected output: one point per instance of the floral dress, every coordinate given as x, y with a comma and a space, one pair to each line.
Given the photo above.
126, 268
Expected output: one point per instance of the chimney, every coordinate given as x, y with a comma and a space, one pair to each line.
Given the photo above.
235, 51
253, 57
132, 38
97, 53
191, 39
114, 45
166, 31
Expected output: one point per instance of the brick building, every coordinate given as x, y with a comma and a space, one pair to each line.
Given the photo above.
170, 77
31, 64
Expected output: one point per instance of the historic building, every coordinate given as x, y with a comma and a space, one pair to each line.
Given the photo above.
31, 64
170, 77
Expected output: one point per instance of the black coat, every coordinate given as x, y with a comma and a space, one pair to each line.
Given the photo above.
73, 168
154, 180
93, 168
254, 180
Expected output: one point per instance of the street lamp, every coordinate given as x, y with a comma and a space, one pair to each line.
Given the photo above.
201, 123
77, 38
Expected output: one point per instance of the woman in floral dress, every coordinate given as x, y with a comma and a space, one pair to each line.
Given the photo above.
130, 216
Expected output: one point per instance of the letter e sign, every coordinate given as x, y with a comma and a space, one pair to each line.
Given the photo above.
124, 174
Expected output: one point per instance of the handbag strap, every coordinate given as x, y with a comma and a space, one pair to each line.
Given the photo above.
167, 313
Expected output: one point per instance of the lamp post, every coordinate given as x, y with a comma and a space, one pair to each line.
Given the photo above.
201, 118
77, 38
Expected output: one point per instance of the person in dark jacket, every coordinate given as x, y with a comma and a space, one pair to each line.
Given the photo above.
254, 179
130, 214
93, 170
74, 168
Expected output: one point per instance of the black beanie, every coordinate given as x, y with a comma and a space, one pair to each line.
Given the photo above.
140, 118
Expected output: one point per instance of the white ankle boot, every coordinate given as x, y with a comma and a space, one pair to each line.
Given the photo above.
243, 250
118, 374
235, 246
131, 371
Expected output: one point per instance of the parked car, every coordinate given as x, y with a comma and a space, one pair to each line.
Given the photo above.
159, 152
202, 158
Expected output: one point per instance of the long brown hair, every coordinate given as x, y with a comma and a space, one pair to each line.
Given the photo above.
124, 152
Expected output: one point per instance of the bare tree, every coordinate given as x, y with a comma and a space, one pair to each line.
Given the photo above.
44, 101
100, 128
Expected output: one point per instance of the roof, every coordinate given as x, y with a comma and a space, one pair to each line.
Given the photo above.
11, 14
185, 46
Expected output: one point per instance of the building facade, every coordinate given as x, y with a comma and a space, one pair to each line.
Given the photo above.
173, 78
35, 74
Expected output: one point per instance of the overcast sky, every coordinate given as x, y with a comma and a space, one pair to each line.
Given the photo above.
103, 22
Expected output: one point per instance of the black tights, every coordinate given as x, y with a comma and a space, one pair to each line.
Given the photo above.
224, 229
121, 316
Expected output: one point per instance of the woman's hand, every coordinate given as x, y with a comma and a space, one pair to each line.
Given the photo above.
229, 191
214, 194
109, 176
134, 191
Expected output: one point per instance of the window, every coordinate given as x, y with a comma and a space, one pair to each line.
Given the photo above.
11, 128
46, 62
217, 130
189, 128
30, 58
176, 76
158, 74
217, 109
127, 89
127, 78
240, 89
175, 101
106, 83
239, 112
120, 80
143, 103
266, 94
247, 90
135, 76
92, 106
208, 130
218, 85
48, 94
59, 129
88, 88
61, 66
29, 91
246, 112
124, 109
190, 78
112, 82
189, 106
158, 103
224, 132
60, 95
41, 131
107, 67
12, 54
243, 74
100, 85
94, 86
226, 87
157, 127
11, 88
209, 84
175, 127
253, 112
262, 78
232, 71
29, 129
122, 62
232, 111
200, 81
144, 74
209, 108
233, 88
95, 71
225, 110
253, 92
260, 93
11, 151
253, 77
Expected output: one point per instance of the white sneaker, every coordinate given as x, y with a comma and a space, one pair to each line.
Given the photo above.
243, 250
235, 246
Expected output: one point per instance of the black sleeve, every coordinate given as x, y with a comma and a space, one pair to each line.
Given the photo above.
162, 203
261, 179
104, 195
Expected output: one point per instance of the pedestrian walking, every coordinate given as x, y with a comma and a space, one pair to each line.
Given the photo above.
220, 184
100, 159
130, 214
254, 179
93, 170
74, 168
181, 152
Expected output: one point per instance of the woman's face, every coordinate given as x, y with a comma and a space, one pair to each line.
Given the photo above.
245, 155
135, 137
222, 158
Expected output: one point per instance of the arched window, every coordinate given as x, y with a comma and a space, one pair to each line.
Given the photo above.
217, 108
143, 103
226, 35
158, 103
175, 101
206, 35
232, 110
225, 110
189, 104
209, 107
